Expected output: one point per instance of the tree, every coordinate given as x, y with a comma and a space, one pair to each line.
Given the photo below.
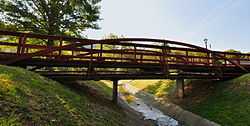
7, 26
111, 36
9, 38
52, 17
232, 51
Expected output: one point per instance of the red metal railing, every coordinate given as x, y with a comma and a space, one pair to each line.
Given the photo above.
16, 47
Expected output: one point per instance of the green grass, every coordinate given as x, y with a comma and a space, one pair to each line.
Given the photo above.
103, 88
29, 99
224, 102
161, 88
229, 105
141, 84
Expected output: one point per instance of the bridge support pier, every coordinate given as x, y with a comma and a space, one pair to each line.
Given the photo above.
115, 91
180, 87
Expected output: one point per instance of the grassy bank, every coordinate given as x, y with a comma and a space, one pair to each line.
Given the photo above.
227, 103
161, 89
29, 99
224, 102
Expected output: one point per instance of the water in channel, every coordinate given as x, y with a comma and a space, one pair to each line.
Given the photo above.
149, 112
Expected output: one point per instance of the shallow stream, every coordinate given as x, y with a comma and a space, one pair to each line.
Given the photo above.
149, 112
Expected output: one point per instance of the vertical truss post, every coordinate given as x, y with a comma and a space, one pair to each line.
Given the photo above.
238, 58
213, 59
167, 50
217, 67
212, 63
60, 46
21, 43
164, 61
91, 53
208, 58
225, 61
90, 68
141, 58
186, 56
121, 54
27, 50
101, 48
135, 54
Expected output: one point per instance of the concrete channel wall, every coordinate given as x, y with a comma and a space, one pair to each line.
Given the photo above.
134, 114
176, 112
186, 117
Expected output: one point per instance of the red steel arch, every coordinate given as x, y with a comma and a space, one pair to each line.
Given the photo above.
151, 56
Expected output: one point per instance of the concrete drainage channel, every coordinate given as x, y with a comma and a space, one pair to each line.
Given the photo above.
152, 114
166, 114
188, 118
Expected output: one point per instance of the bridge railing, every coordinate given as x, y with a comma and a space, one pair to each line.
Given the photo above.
16, 47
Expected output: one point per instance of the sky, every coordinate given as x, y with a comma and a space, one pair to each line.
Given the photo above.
225, 23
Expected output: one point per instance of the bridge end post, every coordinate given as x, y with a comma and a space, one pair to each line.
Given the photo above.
115, 92
180, 87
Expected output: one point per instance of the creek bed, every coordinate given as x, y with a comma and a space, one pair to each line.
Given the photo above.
148, 112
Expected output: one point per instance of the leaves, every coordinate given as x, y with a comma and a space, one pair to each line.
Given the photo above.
54, 17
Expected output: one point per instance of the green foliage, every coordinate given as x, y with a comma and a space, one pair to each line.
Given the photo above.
53, 17
113, 36
29, 99
244, 78
160, 88
7, 26
9, 121
197, 54
232, 51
